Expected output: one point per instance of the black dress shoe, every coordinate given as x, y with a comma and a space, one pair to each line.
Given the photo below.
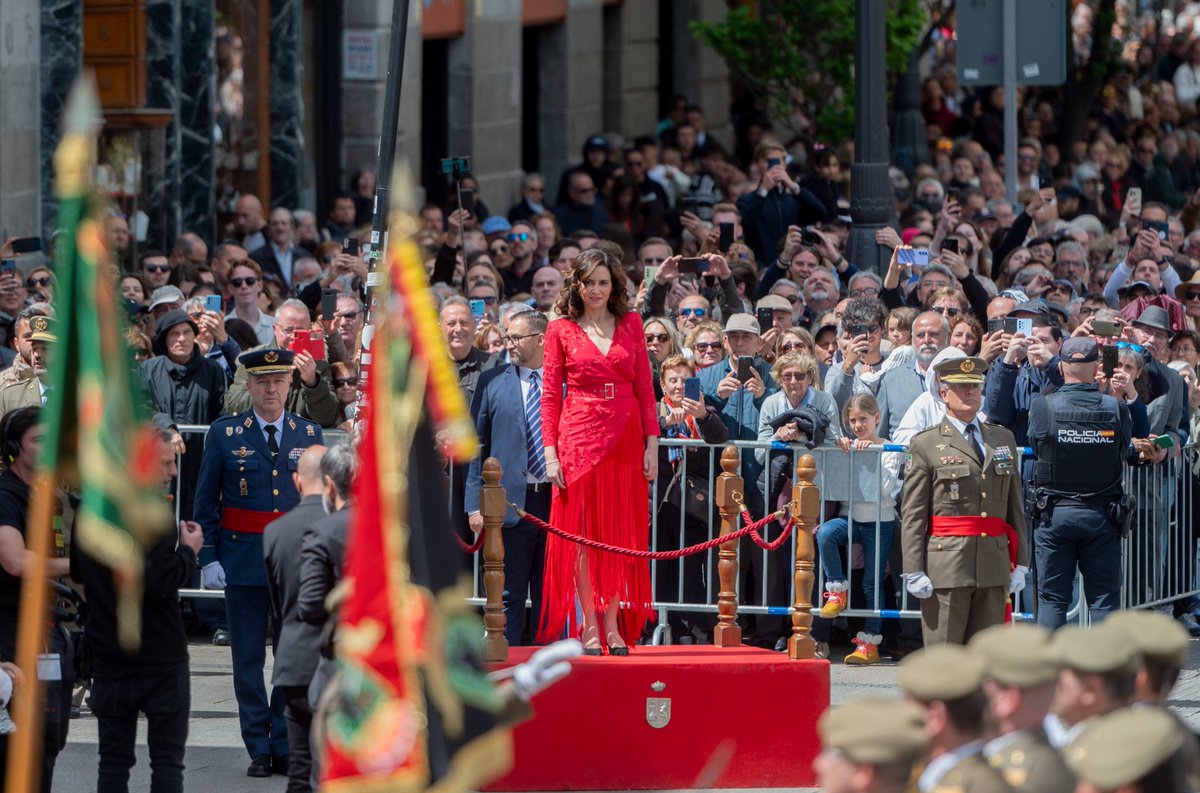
260, 766
221, 637
592, 651
279, 765
618, 651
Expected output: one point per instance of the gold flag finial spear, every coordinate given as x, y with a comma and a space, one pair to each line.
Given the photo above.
75, 157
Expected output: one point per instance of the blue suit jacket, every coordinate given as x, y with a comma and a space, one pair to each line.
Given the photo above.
499, 412
235, 452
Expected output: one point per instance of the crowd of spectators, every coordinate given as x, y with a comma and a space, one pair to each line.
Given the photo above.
734, 242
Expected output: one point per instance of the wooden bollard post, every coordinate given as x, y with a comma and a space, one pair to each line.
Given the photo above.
728, 633
806, 508
493, 505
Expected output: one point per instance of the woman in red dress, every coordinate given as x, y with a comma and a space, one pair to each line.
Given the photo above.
601, 444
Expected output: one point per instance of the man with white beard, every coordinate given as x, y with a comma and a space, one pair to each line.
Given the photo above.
898, 388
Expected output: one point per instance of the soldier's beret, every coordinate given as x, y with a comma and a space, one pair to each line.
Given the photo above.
1017, 655
941, 673
270, 360
875, 731
1120, 748
1156, 635
1098, 650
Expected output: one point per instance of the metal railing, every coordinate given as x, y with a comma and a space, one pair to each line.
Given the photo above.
1159, 554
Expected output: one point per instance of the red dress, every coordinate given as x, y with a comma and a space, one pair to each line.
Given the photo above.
599, 429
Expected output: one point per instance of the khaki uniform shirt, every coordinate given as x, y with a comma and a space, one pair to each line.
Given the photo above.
944, 478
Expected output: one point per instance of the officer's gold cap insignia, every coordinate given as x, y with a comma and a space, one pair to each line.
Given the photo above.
967, 366
271, 356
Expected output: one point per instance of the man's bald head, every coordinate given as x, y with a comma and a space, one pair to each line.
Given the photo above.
308, 471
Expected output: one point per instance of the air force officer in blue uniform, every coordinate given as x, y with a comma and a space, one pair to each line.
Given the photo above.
245, 483
508, 419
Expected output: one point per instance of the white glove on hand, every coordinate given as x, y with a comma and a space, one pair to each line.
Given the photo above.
545, 667
212, 576
1016, 582
918, 585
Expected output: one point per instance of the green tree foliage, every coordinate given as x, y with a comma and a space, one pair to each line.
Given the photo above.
798, 55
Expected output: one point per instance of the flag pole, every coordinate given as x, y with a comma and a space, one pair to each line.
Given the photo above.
25, 745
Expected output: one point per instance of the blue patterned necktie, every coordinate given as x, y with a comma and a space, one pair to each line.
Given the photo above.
533, 421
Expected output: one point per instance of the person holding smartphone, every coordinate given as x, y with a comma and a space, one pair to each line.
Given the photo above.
684, 519
778, 202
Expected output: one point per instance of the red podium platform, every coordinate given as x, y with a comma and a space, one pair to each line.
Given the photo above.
673, 718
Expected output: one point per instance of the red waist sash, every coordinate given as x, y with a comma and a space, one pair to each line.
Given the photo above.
619, 390
250, 521
975, 526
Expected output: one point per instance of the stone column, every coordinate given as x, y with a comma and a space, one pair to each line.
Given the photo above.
631, 69
194, 121
287, 106
484, 92
362, 100
572, 83
871, 202
163, 45
61, 44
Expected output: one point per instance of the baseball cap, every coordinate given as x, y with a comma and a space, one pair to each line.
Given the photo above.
164, 295
495, 224
1079, 349
744, 323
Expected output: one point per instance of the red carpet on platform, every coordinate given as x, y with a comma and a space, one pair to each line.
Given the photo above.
673, 718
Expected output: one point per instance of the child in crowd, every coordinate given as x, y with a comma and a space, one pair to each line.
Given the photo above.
861, 417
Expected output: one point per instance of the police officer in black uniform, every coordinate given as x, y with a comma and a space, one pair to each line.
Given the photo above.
1081, 439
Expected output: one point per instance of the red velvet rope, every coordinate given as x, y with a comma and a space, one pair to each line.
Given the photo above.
751, 528
473, 547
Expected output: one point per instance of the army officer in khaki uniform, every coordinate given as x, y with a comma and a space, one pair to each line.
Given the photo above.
962, 531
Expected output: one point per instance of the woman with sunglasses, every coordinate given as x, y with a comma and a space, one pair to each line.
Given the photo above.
345, 388
41, 283
246, 283
793, 339
662, 341
704, 341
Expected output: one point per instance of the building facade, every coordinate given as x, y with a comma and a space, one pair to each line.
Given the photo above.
205, 100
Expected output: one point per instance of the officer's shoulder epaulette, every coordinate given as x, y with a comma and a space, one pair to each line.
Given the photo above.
231, 417
934, 429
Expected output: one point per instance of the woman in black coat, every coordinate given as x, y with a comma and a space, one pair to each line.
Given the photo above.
683, 494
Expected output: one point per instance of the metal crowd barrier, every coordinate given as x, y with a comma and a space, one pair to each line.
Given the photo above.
1160, 555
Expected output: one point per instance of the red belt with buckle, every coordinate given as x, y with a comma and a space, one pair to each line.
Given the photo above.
249, 521
975, 526
605, 391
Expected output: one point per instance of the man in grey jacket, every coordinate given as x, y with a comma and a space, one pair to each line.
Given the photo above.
299, 645
900, 387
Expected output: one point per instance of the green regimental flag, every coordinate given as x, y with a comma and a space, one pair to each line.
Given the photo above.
98, 436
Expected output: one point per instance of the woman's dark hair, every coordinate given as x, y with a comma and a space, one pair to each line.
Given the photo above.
141, 279
13, 428
570, 301
242, 332
184, 273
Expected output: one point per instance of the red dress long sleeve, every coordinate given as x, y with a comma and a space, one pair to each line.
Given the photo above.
598, 426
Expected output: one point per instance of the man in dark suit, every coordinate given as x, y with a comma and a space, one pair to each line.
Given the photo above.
245, 482
277, 257
322, 551
507, 411
299, 642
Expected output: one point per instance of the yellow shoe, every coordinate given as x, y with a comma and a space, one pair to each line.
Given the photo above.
835, 599
866, 650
